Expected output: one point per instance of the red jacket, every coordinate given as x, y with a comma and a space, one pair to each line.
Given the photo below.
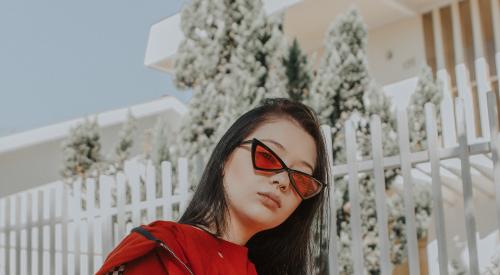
165, 247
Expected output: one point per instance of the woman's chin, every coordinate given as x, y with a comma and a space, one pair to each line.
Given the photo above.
260, 214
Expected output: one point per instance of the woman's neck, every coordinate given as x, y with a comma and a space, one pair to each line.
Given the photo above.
238, 234
235, 232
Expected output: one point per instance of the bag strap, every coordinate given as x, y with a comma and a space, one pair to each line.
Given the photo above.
145, 233
142, 231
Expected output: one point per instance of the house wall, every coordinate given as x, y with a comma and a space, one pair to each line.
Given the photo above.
38, 164
396, 51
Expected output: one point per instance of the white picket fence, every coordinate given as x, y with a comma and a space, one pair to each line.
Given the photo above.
46, 231
435, 155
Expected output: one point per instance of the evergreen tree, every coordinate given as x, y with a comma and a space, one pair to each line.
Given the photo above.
343, 89
342, 77
82, 156
162, 150
427, 90
121, 152
161, 141
202, 52
255, 69
298, 73
231, 59
337, 93
125, 142
81, 150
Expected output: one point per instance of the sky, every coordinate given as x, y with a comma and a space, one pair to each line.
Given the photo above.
65, 59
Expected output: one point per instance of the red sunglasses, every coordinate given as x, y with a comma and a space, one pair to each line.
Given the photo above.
264, 159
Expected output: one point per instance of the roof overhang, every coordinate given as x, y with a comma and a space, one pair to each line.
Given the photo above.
166, 35
307, 20
105, 119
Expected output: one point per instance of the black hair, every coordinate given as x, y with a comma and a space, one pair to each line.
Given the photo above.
288, 248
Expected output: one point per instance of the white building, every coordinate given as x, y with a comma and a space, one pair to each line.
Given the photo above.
34, 157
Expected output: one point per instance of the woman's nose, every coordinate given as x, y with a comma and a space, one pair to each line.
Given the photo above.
282, 180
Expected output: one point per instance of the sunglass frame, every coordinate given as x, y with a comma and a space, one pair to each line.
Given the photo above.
255, 142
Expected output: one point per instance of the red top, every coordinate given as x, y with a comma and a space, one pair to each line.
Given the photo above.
180, 249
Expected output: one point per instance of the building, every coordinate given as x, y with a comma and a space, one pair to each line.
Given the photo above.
33, 158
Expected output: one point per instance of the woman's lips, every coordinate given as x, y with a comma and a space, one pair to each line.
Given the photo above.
268, 200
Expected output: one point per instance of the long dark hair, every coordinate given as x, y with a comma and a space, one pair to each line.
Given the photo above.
289, 247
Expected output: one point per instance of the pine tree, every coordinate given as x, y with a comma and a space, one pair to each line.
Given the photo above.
336, 94
275, 50
231, 59
342, 77
255, 69
343, 89
81, 151
162, 150
298, 73
161, 141
82, 157
125, 142
202, 52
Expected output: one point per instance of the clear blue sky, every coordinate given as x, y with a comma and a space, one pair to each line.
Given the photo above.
64, 59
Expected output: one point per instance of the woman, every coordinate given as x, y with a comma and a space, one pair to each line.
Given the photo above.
259, 200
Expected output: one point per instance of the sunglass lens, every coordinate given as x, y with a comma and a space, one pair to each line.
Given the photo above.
265, 159
306, 185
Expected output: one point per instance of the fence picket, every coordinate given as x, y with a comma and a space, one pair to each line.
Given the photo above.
77, 208
495, 148
380, 198
52, 230
39, 221
121, 184
29, 230
134, 180
18, 233
166, 174
411, 232
465, 92
183, 183
333, 266
437, 197
64, 227
90, 212
7, 235
447, 111
356, 245
470, 221
150, 191
105, 183
483, 86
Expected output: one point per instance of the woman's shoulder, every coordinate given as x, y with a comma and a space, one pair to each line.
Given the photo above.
182, 233
144, 239
190, 245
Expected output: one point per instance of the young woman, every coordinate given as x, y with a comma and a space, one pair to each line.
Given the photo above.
259, 200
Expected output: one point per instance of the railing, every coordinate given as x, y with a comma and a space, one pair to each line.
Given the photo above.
48, 231
435, 155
